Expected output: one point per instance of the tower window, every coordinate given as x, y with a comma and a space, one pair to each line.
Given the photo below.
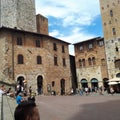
114, 31
116, 49
111, 13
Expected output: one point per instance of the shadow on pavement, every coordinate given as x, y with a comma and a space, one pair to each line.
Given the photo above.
99, 111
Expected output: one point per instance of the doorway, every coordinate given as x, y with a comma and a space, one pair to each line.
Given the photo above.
62, 84
40, 84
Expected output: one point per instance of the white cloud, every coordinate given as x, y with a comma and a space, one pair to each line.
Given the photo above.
71, 11
73, 14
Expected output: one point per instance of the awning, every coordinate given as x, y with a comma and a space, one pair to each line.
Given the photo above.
112, 83
83, 81
114, 80
94, 81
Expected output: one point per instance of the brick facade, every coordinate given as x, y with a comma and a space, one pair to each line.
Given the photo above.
11, 71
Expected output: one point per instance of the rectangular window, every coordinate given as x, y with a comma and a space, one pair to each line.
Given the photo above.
55, 61
111, 13
37, 43
90, 46
101, 43
63, 49
54, 46
39, 60
81, 48
64, 62
19, 41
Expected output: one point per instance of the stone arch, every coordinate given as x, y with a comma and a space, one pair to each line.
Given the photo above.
20, 79
118, 75
94, 83
84, 83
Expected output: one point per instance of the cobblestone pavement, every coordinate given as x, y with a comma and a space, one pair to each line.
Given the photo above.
79, 107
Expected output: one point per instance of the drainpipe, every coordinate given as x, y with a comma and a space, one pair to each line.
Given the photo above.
13, 77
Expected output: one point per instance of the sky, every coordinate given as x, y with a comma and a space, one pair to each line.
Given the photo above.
72, 20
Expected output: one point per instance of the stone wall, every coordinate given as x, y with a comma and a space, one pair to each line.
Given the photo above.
18, 13
111, 19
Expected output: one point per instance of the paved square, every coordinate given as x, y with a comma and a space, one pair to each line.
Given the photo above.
79, 107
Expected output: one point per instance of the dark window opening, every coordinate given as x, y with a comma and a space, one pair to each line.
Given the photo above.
63, 49
39, 60
111, 13
54, 46
64, 62
19, 41
55, 61
20, 59
37, 43
53, 83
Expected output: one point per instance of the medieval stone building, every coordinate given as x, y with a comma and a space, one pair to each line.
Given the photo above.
98, 59
91, 64
28, 53
111, 28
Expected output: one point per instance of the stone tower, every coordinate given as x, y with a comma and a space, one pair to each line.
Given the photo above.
18, 14
110, 12
42, 24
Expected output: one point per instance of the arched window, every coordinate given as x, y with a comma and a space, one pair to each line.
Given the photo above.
39, 60
89, 61
80, 63
94, 61
20, 59
83, 62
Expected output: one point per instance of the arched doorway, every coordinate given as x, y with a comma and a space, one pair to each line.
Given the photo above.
20, 80
62, 84
84, 83
118, 75
40, 84
94, 84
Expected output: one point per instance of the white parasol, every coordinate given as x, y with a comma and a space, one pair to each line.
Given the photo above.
114, 79
112, 83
